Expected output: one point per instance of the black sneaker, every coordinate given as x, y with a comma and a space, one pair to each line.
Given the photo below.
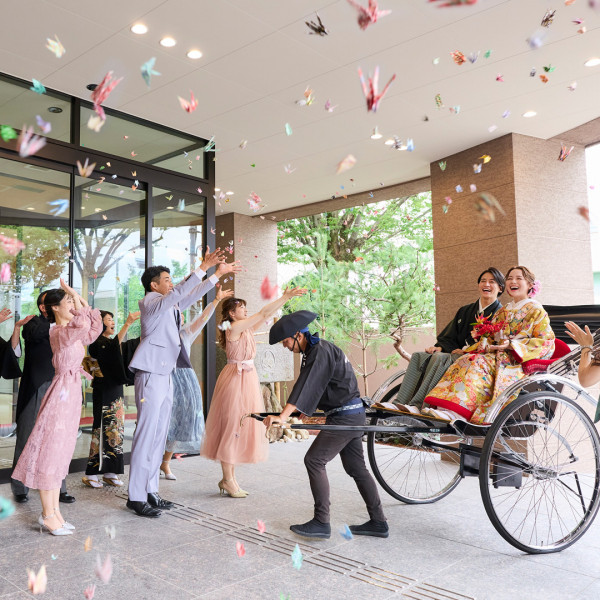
313, 529
372, 528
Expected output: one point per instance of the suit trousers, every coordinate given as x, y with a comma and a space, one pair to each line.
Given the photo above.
349, 445
154, 399
25, 425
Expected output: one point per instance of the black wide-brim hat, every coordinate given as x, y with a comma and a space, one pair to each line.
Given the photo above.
288, 325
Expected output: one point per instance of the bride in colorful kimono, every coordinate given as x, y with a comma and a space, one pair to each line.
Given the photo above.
472, 384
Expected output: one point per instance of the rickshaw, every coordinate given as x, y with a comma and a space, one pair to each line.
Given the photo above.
537, 456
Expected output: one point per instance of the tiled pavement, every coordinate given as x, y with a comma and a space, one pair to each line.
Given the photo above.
443, 551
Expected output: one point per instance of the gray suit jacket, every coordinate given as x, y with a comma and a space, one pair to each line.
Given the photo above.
160, 345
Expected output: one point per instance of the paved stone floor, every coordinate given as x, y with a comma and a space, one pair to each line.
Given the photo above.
443, 551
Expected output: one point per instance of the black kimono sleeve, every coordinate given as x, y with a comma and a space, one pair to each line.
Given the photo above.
9, 365
448, 338
312, 382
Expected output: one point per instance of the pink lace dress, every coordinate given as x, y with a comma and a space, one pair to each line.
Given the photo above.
45, 460
237, 393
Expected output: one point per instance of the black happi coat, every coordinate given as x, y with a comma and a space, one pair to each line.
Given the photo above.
457, 333
37, 368
326, 379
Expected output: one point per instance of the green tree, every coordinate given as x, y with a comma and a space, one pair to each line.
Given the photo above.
368, 271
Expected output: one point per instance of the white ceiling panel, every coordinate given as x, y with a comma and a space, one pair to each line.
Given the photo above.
259, 58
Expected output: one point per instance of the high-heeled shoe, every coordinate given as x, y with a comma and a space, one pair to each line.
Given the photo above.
59, 531
66, 524
168, 475
223, 490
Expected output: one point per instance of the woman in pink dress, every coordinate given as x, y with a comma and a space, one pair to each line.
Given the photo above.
45, 459
237, 393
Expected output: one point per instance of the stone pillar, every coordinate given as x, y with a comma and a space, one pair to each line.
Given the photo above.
255, 245
541, 228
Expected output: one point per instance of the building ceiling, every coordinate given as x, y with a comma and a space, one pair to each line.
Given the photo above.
258, 58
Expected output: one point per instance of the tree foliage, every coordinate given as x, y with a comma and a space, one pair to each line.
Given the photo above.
369, 272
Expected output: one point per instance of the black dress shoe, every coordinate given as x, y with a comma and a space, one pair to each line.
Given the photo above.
157, 502
372, 528
21, 498
143, 509
313, 529
66, 498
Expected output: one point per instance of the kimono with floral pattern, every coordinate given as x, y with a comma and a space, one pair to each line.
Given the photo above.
472, 384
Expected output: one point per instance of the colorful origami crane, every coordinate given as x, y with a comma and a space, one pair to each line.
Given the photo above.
369, 14
370, 89
102, 91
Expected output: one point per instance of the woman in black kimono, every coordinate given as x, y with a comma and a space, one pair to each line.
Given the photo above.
106, 448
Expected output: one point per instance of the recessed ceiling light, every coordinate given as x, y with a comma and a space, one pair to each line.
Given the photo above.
194, 54
376, 135
389, 142
97, 209
167, 42
592, 62
217, 189
139, 28
229, 193
169, 208
30, 208
55, 109
529, 114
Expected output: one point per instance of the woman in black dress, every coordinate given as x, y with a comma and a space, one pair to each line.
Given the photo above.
106, 448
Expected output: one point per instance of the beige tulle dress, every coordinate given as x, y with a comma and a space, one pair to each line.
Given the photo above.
237, 393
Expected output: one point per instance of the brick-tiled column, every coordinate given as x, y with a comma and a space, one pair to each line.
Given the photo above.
541, 229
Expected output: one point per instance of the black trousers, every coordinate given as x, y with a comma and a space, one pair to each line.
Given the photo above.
348, 444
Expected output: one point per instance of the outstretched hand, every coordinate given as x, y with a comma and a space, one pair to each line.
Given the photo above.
581, 337
22, 322
77, 298
225, 268
132, 317
5, 314
293, 292
212, 258
222, 294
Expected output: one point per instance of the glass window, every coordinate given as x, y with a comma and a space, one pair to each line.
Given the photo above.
177, 234
108, 260
19, 106
122, 137
25, 194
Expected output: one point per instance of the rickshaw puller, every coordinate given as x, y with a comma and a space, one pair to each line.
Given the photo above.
327, 381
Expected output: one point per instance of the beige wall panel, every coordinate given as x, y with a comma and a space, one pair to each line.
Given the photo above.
459, 168
551, 212
463, 223
564, 267
536, 162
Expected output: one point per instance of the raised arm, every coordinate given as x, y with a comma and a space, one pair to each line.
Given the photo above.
78, 300
179, 294
255, 321
207, 285
132, 317
16, 334
194, 328
589, 372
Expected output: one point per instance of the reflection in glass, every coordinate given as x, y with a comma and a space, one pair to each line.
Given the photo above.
177, 234
108, 260
20, 105
25, 191
142, 142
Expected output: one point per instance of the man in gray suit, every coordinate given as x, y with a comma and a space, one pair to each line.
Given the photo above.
153, 362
